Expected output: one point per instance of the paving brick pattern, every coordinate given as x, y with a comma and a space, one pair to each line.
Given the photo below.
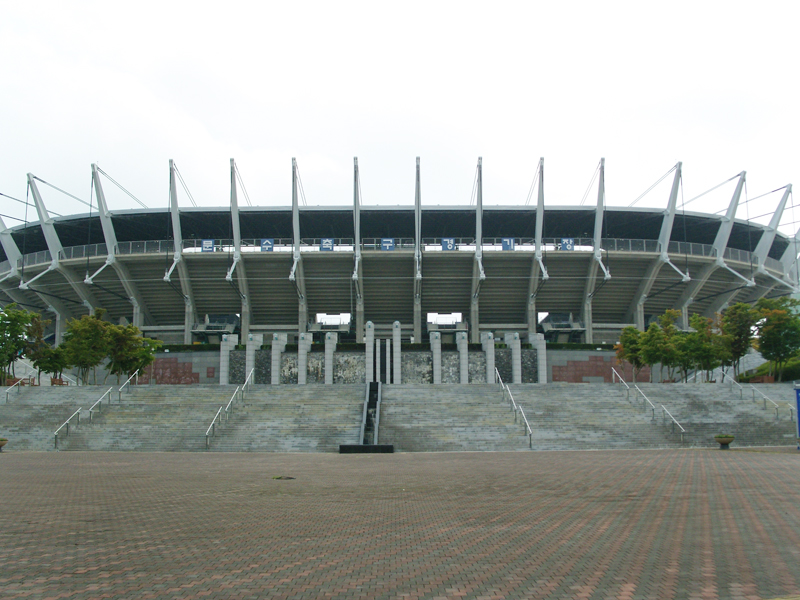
689, 524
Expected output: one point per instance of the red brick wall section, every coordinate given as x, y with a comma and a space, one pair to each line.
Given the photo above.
170, 371
596, 366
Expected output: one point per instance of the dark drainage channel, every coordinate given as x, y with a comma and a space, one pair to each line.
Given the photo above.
370, 421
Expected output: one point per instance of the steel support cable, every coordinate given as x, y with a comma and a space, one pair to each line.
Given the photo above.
533, 187
588, 189
711, 190
474, 187
300, 184
25, 203
113, 293
112, 180
89, 228
10, 217
56, 296
650, 189
244, 189
62, 191
183, 185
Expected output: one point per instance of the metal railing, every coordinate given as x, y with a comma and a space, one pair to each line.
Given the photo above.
247, 383
664, 413
516, 408
313, 244
229, 406
99, 404
771, 401
212, 429
127, 381
619, 379
652, 406
17, 385
733, 382
66, 424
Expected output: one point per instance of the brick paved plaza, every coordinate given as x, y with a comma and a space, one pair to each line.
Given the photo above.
647, 524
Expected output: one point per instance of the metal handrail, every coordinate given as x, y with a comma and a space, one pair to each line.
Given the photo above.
136, 374
213, 427
622, 381
66, 424
674, 420
648, 401
775, 404
230, 403
99, 404
733, 382
246, 384
8, 389
528, 426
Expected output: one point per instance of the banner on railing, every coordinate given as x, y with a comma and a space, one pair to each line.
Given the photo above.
208, 246
267, 244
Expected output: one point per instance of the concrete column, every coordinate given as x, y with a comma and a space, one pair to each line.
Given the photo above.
370, 352
396, 356
254, 341
512, 341
188, 322
59, 333
541, 357
303, 347
685, 317
417, 320
228, 343
487, 340
388, 360
278, 346
436, 350
377, 360
462, 343
330, 347
588, 322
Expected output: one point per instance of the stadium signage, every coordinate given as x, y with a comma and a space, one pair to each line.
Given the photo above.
267, 244
508, 243
387, 243
568, 243
448, 243
326, 245
207, 246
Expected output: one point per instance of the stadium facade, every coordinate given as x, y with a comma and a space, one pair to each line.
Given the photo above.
189, 274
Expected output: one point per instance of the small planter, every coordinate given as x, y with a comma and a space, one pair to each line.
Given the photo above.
723, 441
3, 442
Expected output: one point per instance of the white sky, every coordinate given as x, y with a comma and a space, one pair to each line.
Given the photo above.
713, 84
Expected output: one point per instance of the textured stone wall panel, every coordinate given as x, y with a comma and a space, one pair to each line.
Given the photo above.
289, 368
477, 367
263, 374
502, 362
530, 366
238, 364
417, 367
451, 367
349, 367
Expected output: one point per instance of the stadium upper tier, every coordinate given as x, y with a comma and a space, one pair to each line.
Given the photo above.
599, 267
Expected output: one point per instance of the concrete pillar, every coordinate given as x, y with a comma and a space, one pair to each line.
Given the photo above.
254, 341
541, 357
370, 356
512, 341
417, 320
228, 343
59, 333
360, 336
278, 346
532, 317
388, 360
462, 343
303, 347
377, 360
188, 322
396, 356
487, 340
587, 322
330, 347
685, 317
474, 322
436, 350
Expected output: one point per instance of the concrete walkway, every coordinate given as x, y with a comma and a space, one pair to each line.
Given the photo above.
625, 524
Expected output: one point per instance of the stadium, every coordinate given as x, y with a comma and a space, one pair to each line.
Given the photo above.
572, 273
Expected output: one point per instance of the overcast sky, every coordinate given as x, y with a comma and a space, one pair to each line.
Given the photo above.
643, 84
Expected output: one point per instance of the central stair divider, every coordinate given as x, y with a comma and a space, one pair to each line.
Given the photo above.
370, 420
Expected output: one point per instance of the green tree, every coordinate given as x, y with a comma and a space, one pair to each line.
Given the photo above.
778, 331
652, 347
86, 343
671, 333
738, 323
13, 329
36, 348
629, 349
707, 347
128, 350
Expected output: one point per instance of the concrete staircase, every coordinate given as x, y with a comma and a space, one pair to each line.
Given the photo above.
293, 418
427, 418
32, 415
153, 418
568, 416
707, 409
